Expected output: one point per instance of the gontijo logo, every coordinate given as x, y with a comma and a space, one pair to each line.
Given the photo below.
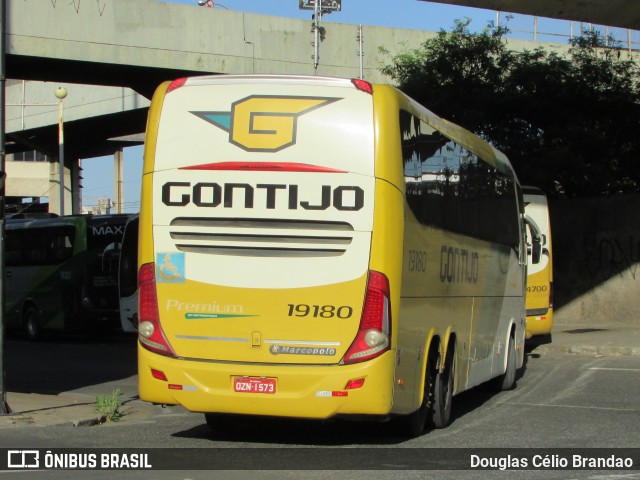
264, 123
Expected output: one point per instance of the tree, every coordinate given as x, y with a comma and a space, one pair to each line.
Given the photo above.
570, 124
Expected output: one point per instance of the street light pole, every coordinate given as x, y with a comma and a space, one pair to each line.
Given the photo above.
4, 406
317, 16
61, 93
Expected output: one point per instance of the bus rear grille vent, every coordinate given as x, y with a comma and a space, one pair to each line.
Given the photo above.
261, 237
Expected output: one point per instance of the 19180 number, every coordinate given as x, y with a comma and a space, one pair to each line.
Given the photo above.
323, 311
417, 261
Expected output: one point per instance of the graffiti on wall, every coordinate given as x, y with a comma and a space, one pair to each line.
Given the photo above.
612, 256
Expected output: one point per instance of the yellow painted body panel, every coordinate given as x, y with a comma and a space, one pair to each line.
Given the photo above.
244, 323
301, 391
538, 286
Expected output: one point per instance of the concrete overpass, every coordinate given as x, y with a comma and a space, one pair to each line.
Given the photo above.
111, 55
614, 13
137, 45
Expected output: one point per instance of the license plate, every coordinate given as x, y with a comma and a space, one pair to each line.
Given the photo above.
254, 385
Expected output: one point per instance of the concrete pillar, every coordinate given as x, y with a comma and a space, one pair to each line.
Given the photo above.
118, 183
54, 187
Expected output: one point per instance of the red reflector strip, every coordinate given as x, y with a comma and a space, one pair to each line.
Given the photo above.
159, 375
264, 167
331, 393
174, 386
353, 384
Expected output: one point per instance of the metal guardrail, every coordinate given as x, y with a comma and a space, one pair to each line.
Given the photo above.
541, 29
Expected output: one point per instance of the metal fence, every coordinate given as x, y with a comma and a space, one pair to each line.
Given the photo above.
540, 29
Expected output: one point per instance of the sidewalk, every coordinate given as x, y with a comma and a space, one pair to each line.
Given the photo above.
78, 409
69, 408
590, 339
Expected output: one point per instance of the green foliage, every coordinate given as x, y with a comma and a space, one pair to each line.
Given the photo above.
109, 406
569, 123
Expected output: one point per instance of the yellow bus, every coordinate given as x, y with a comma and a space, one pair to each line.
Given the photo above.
318, 247
539, 270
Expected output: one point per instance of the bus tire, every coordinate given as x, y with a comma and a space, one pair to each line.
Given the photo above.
31, 322
507, 381
413, 425
443, 393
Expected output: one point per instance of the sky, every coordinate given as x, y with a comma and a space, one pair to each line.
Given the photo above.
411, 14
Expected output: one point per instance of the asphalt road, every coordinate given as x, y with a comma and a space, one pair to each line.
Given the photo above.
561, 401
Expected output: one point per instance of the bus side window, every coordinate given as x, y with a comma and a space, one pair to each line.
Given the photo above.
14, 255
37, 256
61, 253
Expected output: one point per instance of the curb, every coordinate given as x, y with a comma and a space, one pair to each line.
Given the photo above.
588, 350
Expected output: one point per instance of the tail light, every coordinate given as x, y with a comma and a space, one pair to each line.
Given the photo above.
550, 294
150, 332
176, 84
374, 334
362, 85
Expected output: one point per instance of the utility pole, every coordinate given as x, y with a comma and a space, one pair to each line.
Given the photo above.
319, 8
317, 15
4, 406
360, 39
61, 94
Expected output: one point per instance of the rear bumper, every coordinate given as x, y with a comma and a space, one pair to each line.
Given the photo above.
538, 323
303, 391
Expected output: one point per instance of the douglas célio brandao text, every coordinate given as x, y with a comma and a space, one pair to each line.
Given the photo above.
550, 461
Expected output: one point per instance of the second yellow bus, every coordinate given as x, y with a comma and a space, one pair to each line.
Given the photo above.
539, 270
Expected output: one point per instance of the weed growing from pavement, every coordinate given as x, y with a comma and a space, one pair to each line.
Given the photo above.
109, 406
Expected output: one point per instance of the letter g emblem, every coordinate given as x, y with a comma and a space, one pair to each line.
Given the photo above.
261, 123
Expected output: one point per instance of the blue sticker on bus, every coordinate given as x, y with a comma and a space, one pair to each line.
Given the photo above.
170, 267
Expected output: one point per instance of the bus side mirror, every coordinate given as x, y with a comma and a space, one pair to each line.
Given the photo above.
535, 236
536, 250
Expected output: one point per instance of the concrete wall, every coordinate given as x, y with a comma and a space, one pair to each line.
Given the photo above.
153, 34
26, 178
596, 246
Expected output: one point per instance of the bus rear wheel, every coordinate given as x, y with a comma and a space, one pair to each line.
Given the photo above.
31, 321
443, 392
413, 425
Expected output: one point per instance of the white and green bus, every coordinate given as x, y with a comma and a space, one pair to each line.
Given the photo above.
321, 247
61, 273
